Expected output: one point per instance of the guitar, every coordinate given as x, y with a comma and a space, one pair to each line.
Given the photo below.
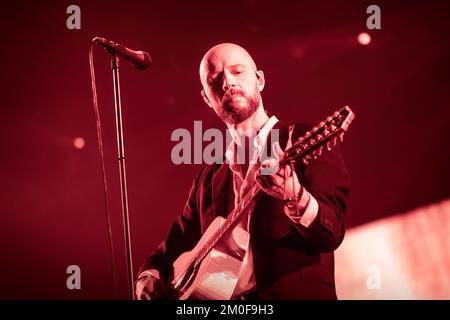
210, 270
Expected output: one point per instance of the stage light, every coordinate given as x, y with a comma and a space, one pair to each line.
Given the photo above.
364, 38
79, 143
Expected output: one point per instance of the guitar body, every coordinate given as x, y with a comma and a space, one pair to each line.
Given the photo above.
216, 276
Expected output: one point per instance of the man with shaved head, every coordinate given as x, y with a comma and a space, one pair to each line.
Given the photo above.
232, 86
293, 228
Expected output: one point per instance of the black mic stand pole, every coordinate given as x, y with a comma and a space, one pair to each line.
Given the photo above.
123, 177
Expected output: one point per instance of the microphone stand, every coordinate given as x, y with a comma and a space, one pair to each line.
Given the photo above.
123, 177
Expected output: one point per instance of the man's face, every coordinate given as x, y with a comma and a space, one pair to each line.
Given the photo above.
231, 83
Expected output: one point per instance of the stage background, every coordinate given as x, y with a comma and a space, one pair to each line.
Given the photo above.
397, 150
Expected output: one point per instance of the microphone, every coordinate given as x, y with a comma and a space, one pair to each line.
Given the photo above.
140, 59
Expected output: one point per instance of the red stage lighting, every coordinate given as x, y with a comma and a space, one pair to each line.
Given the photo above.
79, 143
364, 38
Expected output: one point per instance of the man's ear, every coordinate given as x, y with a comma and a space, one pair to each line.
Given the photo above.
261, 80
205, 98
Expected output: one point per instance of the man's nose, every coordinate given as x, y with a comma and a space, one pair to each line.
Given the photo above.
228, 81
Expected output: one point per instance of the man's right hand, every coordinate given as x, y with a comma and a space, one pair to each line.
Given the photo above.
150, 288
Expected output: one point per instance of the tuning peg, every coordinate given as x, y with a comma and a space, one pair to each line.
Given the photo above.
322, 124
335, 141
314, 130
306, 160
317, 153
329, 119
319, 137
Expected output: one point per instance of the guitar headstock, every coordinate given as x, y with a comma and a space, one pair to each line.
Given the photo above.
324, 135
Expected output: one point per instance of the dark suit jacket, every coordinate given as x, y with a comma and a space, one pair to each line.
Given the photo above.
290, 261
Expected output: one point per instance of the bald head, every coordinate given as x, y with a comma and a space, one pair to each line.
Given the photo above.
224, 54
231, 83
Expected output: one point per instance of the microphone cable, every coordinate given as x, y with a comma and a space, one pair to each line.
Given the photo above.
102, 161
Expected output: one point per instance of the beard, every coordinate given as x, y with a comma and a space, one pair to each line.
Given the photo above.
233, 111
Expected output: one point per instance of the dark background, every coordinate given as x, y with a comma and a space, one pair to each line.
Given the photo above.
52, 210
